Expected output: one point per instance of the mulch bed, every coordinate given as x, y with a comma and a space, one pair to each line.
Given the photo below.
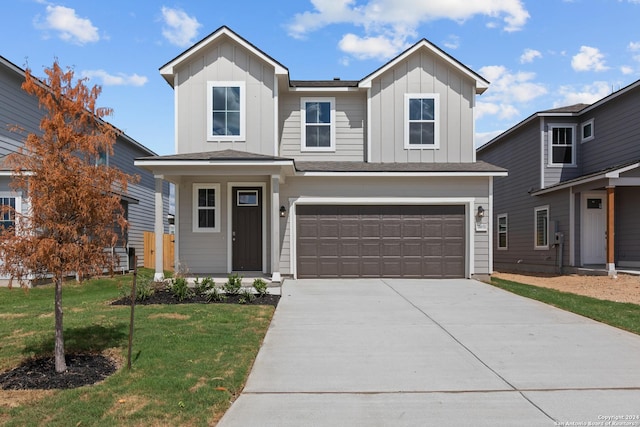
40, 373
87, 369
163, 296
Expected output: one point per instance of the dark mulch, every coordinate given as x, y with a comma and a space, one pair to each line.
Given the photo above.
163, 296
40, 373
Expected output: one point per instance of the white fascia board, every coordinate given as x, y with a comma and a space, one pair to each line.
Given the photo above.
169, 69
481, 84
403, 174
616, 173
187, 163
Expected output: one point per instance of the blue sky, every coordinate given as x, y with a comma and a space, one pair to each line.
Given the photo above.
538, 54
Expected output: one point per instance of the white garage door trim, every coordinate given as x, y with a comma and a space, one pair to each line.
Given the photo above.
468, 203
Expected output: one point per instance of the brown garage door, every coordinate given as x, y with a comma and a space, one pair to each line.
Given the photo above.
380, 241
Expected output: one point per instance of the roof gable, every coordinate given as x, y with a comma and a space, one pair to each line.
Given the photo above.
168, 70
480, 82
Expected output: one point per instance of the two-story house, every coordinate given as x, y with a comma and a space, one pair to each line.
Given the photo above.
569, 200
369, 178
20, 115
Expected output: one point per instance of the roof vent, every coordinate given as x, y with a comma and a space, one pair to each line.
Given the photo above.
336, 78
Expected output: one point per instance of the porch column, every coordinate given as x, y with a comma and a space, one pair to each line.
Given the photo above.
159, 229
611, 266
275, 229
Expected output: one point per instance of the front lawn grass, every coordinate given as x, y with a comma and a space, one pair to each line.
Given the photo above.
189, 361
621, 315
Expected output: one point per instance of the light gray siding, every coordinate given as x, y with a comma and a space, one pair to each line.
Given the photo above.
204, 253
627, 226
350, 128
225, 61
422, 73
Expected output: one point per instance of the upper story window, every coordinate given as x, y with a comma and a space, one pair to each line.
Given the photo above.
562, 146
7, 213
318, 124
422, 114
587, 131
226, 111
206, 208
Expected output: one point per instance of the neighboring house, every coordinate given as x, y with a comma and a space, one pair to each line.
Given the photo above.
19, 109
571, 196
368, 178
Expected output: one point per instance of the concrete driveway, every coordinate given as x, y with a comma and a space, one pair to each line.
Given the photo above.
388, 352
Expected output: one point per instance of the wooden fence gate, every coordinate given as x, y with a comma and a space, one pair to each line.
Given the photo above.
167, 251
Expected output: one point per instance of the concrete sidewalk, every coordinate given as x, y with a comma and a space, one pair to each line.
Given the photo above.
389, 352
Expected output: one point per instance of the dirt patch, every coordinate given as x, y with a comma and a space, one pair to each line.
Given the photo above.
175, 316
624, 288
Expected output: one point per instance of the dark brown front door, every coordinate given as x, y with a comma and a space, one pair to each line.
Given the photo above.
381, 241
246, 231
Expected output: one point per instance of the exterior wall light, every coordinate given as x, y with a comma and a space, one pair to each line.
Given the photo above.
480, 212
283, 212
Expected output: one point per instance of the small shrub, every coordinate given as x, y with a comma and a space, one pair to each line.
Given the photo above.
246, 296
205, 285
215, 295
233, 285
179, 287
145, 288
261, 287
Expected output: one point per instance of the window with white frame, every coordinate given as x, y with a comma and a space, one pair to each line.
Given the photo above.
318, 124
587, 131
422, 114
562, 147
206, 208
503, 230
225, 111
541, 227
7, 213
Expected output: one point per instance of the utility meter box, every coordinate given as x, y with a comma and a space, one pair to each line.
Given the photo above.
558, 238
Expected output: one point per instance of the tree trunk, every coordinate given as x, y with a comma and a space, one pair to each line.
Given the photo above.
61, 364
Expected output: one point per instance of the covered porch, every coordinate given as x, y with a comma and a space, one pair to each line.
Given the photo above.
227, 212
603, 210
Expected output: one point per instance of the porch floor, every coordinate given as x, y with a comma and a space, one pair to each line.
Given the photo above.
601, 270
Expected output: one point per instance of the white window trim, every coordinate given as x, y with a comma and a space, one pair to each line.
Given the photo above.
303, 124
535, 227
194, 207
18, 208
506, 232
436, 126
574, 147
585, 124
243, 108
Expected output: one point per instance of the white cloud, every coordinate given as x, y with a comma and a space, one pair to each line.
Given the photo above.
529, 55
634, 46
508, 91
626, 70
120, 79
587, 94
370, 47
395, 21
452, 42
588, 59
484, 137
70, 27
179, 28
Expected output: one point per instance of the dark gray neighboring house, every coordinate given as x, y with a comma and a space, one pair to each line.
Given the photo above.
572, 196
17, 108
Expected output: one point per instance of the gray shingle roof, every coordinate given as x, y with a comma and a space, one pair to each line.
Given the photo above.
222, 155
396, 167
567, 109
